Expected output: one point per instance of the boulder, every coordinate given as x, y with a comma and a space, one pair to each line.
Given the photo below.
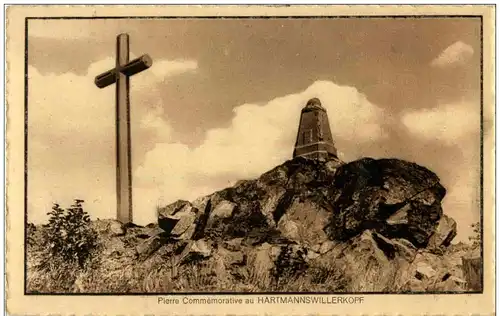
173, 208
414, 285
277, 177
303, 222
373, 262
114, 247
146, 248
289, 229
400, 217
166, 221
233, 244
333, 164
109, 227
204, 206
231, 258
446, 230
405, 249
434, 271
311, 255
182, 227
275, 204
201, 247
188, 233
316, 247
398, 199
424, 270
472, 266
261, 261
178, 219
194, 251
116, 228
151, 230
326, 246
369, 267
450, 285
201, 202
223, 209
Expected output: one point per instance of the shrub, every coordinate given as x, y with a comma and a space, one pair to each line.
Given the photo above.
476, 237
69, 235
31, 232
289, 264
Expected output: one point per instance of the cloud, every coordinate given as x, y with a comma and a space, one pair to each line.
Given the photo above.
71, 127
71, 143
457, 53
448, 123
72, 149
153, 120
63, 105
169, 68
457, 125
258, 138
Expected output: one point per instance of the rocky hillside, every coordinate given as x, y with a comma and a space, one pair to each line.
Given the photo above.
307, 225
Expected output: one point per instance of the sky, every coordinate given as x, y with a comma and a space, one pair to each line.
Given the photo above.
222, 102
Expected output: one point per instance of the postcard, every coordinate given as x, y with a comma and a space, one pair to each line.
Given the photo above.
294, 160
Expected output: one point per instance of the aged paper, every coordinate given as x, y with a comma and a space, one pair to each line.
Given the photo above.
250, 160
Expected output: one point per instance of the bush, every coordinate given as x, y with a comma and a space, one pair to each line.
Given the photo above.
289, 264
475, 239
31, 232
69, 235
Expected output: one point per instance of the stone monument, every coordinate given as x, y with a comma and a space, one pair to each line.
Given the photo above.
314, 138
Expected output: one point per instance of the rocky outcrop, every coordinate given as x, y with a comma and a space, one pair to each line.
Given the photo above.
301, 221
472, 264
382, 218
444, 233
396, 198
178, 219
148, 247
365, 226
381, 221
310, 201
109, 227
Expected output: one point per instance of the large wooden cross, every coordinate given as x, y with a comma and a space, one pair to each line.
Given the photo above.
120, 75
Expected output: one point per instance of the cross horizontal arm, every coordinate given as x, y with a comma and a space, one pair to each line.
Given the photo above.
105, 79
137, 65
131, 68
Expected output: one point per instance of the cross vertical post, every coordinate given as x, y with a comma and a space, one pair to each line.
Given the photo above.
120, 75
123, 147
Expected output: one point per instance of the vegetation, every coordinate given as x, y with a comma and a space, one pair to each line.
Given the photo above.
289, 264
69, 235
71, 254
475, 239
159, 274
110, 264
59, 249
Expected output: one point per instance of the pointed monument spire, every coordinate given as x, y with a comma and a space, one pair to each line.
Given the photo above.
314, 138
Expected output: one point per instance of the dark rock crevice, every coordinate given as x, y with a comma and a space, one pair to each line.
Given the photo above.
201, 221
283, 204
388, 249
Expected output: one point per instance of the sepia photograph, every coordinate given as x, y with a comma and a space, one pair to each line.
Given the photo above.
254, 154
